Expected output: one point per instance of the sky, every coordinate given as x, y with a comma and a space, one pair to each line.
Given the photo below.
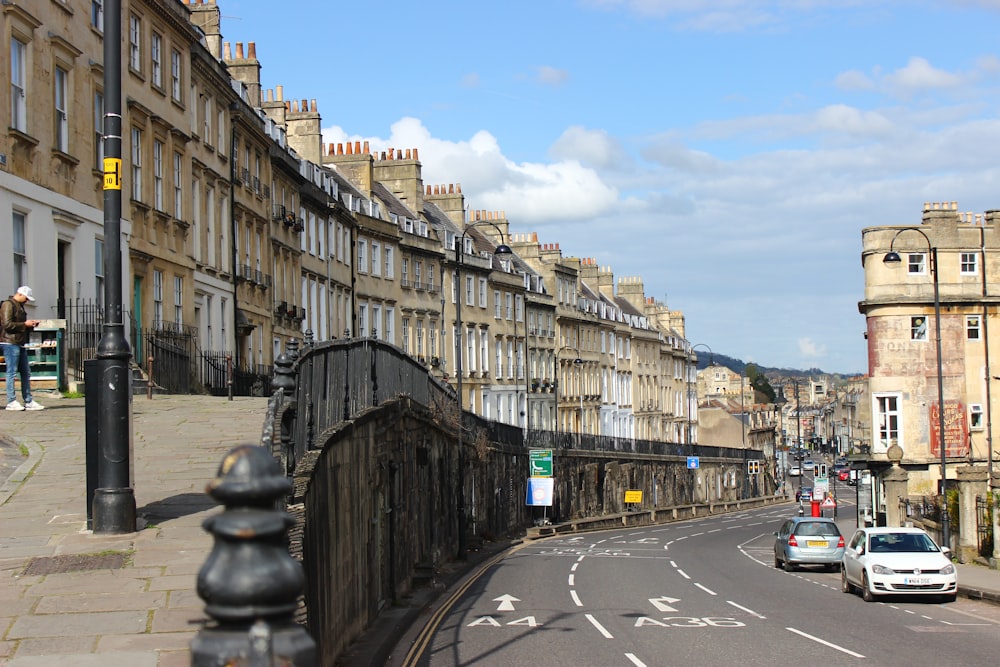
728, 152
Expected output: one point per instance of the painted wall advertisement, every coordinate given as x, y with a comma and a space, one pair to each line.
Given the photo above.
956, 430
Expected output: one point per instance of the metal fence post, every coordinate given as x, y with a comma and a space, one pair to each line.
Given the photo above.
250, 583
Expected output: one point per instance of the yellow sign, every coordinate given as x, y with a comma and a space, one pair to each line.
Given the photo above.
633, 496
112, 173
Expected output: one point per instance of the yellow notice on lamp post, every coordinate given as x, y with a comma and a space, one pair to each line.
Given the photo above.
633, 497
112, 173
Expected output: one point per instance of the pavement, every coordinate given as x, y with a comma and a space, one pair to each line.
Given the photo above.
70, 597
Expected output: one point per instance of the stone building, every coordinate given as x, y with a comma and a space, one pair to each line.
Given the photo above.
948, 257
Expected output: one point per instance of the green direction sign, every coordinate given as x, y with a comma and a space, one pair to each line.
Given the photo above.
540, 462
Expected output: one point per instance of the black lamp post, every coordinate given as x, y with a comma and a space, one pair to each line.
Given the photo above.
114, 498
892, 258
693, 419
502, 250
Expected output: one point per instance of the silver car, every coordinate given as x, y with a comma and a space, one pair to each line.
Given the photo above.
806, 540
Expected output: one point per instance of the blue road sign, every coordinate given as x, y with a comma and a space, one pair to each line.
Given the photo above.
692, 462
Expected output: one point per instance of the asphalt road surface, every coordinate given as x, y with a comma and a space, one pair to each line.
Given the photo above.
699, 592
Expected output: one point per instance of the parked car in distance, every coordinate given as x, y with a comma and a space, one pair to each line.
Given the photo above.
897, 561
844, 474
808, 541
795, 471
808, 464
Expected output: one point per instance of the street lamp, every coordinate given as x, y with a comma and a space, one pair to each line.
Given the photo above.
892, 258
502, 250
693, 413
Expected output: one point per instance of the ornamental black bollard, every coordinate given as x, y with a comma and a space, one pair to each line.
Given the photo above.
250, 583
284, 375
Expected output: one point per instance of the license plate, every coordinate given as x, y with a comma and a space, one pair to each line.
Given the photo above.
816, 543
916, 581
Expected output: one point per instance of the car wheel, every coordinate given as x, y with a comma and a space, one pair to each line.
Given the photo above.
845, 585
789, 567
866, 589
777, 561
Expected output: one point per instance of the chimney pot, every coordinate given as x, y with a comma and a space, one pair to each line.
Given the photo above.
252, 50
415, 154
357, 147
239, 50
367, 150
227, 51
280, 92
350, 148
312, 105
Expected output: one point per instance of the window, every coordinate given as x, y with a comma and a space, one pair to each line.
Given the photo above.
362, 256
178, 192
432, 331
519, 307
175, 75
18, 83
418, 269
178, 300
377, 322
972, 327
363, 319
496, 304
430, 277
390, 325
976, 416
376, 259
406, 334
98, 130
969, 263
470, 294
916, 263
20, 252
498, 357
61, 109
134, 43
157, 298
207, 121
97, 14
482, 292
420, 338
887, 420
158, 175
508, 299
918, 328
454, 287
484, 350
136, 164
389, 269
156, 59
99, 270
404, 271
220, 128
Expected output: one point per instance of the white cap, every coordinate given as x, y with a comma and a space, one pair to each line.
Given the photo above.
26, 291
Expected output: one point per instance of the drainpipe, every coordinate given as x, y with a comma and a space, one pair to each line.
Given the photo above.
986, 351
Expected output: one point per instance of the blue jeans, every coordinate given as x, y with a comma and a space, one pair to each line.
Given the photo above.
16, 358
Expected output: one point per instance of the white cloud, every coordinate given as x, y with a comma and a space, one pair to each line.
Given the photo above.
551, 76
591, 147
810, 349
919, 75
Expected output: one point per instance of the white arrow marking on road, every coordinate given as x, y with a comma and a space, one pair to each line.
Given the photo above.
506, 602
663, 604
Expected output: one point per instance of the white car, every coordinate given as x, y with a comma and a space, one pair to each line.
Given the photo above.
795, 471
897, 561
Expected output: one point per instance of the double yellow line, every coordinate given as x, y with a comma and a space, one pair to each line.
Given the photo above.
427, 632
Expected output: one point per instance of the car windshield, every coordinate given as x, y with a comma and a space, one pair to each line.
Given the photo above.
819, 528
902, 543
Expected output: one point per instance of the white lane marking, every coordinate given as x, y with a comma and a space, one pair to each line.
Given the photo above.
634, 660
580, 559
576, 598
825, 643
715, 530
710, 592
574, 566
749, 611
682, 537
571, 578
696, 534
683, 573
600, 628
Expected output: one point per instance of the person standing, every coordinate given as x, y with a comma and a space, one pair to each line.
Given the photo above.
14, 333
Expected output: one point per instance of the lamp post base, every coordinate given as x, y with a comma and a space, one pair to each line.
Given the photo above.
114, 511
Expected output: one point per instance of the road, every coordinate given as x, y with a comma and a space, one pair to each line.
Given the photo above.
699, 592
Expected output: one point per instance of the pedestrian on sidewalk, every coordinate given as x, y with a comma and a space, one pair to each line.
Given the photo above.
15, 328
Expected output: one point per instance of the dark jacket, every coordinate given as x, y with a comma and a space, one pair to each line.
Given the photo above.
13, 316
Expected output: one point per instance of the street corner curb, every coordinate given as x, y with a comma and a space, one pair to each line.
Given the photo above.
13, 483
979, 594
